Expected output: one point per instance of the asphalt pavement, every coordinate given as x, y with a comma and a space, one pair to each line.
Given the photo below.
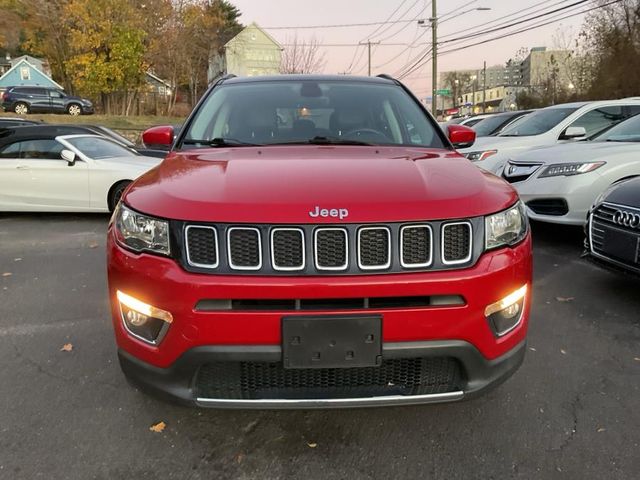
571, 411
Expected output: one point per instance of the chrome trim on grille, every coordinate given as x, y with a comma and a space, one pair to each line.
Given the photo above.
331, 402
346, 249
469, 253
416, 265
273, 259
236, 267
215, 235
375, 267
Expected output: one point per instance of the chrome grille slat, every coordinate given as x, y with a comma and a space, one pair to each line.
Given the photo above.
330, 249
457, 243
374, 248
416, 246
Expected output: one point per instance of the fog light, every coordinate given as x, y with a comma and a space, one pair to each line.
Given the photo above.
143, 321
505, 314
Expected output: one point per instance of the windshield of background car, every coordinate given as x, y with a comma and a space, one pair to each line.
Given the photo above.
98, 148
288, 111
627, 131
538, 122
487, 126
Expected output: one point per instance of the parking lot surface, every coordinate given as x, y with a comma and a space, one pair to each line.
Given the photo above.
571, 411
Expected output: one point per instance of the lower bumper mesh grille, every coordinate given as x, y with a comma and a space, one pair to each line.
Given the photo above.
270, 380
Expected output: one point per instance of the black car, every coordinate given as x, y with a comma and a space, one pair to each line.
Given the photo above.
6, 122
23, 100
613, 228
493, 125
57, 130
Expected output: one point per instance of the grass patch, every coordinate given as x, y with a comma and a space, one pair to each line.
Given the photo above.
111, 121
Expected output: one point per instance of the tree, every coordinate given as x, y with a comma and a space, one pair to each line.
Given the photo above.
106, 42
612, 35
458, 83
301, 56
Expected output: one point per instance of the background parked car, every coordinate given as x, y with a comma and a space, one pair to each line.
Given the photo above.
43, 171
613, 232
23, 100
549, 126
559, 184
466, 121
494, 124
98, 130
6, 122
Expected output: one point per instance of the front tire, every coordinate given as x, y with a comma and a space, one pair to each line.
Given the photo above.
74, 109
115, 194
21, 108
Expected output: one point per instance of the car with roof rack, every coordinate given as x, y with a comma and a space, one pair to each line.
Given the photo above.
316, 241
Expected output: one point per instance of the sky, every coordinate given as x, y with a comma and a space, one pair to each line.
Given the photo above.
404, 42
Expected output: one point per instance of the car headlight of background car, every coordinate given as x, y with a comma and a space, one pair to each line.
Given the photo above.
507, 227
139, 232
480, 155
568, 169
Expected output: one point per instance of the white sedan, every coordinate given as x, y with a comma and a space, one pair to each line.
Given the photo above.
69, 173
560, 184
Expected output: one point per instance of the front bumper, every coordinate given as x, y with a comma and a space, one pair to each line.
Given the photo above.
197, 337
579, 192
176, 382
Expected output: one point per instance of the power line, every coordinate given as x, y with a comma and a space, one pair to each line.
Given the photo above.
509, 34
402, 26
423, 59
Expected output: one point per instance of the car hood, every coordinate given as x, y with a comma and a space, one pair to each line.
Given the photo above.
625, 193
577, 152
282, 184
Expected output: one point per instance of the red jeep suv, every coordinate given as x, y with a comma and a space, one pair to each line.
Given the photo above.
317, 241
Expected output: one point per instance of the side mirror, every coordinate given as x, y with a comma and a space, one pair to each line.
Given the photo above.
461, 136
69, 156
573, 132
161, 136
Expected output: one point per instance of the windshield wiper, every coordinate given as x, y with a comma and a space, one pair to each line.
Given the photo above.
222, 142
320, 140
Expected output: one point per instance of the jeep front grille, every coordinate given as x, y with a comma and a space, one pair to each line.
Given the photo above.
336, 249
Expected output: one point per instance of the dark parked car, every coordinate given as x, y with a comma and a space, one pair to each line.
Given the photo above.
613, 229
494, 124
23, 100
6, 122
83, 130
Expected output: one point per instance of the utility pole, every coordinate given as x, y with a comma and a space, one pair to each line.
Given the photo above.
368, 43
484, 87
434, 58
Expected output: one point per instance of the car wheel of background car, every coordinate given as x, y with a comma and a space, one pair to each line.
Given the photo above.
21, 108
116, 193
74, 109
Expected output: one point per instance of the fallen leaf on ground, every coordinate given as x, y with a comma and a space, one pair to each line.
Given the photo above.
312, 445
67, 347
239, 458
158, 427
563, 352
532, 349
7, 274
601, 430
565, 299
637, 359
17, 259
93, 245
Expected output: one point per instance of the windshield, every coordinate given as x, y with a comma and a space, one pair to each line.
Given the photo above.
489, 125
97, 148
538, 122
309, 111
627, 131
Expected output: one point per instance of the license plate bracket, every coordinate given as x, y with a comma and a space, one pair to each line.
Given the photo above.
621, 245
331, 341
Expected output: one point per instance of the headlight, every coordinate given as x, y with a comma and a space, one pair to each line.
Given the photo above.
567, 169
507, 227
140, 232
480, 155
